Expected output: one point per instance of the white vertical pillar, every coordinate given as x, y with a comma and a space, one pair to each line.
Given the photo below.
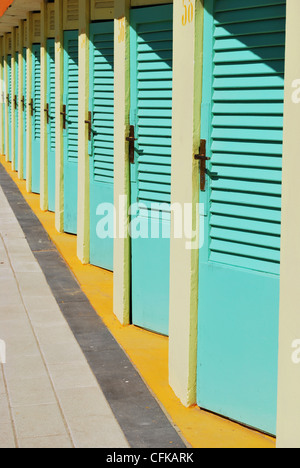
83, 227
6, 97
121, 158
29, 25
288, 420
20, 102
187, 86
59, 149
44, 140
13, 96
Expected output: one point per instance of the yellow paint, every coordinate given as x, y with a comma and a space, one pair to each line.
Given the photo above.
121, 36
147, 351
188, 12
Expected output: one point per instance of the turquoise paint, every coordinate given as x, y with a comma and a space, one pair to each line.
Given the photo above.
16, 111
102, 144
36, 119
70, 134
24, 110
241, 118
51, 123
9, 88
151, 35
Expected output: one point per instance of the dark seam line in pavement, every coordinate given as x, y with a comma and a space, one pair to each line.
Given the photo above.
144, 423
12, 421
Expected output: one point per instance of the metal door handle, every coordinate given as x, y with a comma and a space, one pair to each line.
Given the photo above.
89, 122
131, 139
23, 103
64, 114
7, 99
47, 113
202, 158
15, 102
31, 107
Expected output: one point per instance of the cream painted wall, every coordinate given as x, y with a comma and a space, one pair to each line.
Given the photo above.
59, 154
6, 129
187, 87
44, 140
288, 419
121, 157
29, 95
13, 93
20, 104
83, 226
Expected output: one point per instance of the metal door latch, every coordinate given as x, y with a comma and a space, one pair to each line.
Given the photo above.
89, 122
131, 139
31, 107
47, 113
64, 115
202, 158
23, 103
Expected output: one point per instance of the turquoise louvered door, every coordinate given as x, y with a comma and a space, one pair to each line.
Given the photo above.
9, 106
70, 100
242, 120
24, 98
151, 116
36, 118
16, 111
102, 143
51, 123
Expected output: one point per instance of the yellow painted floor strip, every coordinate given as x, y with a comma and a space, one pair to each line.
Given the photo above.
147, 351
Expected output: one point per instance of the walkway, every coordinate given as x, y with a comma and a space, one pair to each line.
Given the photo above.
129, 364
49, 396
66, 383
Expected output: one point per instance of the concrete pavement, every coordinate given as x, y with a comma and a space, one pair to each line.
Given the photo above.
67, 382
49, 397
